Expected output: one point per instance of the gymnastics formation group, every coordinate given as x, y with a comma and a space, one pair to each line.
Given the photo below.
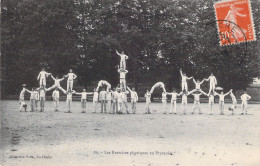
115, 100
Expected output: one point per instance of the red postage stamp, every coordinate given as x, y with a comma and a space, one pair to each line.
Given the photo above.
234, 21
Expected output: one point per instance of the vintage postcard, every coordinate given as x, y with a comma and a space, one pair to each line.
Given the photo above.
130, 83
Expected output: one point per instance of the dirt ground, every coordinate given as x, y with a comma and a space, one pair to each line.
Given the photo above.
60, 139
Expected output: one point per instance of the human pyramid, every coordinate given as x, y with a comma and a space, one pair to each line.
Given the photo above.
113, 101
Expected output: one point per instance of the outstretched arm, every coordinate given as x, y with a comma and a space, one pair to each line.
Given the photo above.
61, 79
29, 91
202, 81
90, 93
189, 78
76, 93
204, 93
128, 89
228, 93
52, 77
206, 79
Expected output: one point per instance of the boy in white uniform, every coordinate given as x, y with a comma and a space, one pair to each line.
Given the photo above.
222, 101
197, 85
184, 78
196, 103
211, 102
21, 99
23, 105
71, 76
102, 99
234, 102
69, 94
42, 77
122, 77
212, 83
122, 99
32, 99
184, 101
56, 83
56, 97
21, 96
164, 102
123, 58
245, 97
148, 102
84, 97
109, 100
42, 92
115, 100
95, 100
37, 98
174, 95
134, 98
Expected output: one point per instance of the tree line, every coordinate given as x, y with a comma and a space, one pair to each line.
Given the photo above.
159, 36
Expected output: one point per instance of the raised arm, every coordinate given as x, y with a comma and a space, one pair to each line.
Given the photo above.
52, 77
126, 71
90, 93
227, 93
118, 53
181, 72
38, 76
194, 81
202, 81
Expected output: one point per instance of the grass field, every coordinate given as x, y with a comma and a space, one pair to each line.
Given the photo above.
61, 139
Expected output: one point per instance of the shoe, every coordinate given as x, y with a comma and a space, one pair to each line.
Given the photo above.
184, 114
164, 113
210, 114
192, 113
175, 113
200, 113
241, 114
170, 112
149, 112
83, 111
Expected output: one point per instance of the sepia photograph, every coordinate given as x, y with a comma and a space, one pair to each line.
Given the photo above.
130, 83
